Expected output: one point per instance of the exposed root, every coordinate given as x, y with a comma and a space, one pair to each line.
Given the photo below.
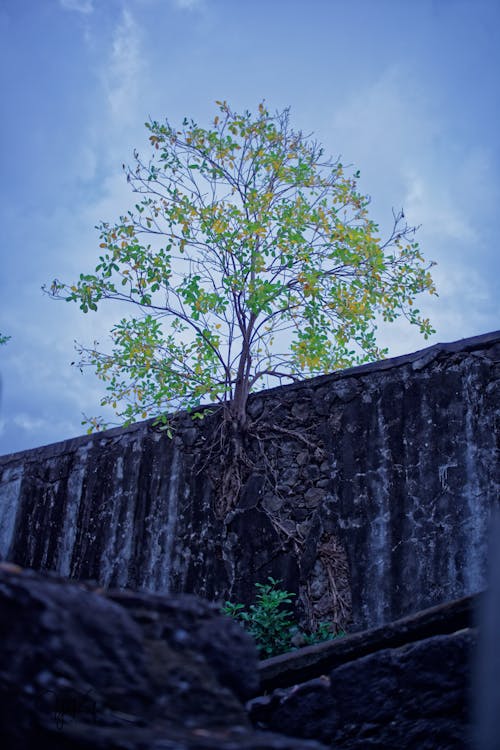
229, 462
293, 433
333, 558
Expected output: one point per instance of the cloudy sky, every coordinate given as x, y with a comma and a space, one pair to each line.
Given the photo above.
406, 91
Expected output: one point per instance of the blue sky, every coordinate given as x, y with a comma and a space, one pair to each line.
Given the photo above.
408, 92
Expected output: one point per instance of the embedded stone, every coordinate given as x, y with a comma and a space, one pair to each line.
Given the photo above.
314, 496
302, 458
301, 410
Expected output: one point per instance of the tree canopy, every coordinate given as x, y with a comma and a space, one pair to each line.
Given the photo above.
249, 256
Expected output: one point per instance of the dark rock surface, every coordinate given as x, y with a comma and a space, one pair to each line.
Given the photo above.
83, 668
370, 494
313, 661
414, 697
187, 624
406, 685
88, 669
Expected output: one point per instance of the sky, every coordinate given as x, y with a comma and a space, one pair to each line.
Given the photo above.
407, 92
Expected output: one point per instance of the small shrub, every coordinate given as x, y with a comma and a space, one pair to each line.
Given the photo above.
321, 634
273, 627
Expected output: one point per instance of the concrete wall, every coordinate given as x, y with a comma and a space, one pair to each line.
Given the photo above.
368, 492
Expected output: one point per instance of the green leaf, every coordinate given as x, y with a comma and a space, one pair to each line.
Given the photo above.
249, 251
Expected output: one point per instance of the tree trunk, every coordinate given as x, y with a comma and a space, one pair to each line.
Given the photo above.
238, 408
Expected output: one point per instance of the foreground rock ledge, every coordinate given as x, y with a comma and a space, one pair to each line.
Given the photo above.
405, 685
79, 670
85, 668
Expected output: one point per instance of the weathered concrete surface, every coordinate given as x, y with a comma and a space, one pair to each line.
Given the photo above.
370, 494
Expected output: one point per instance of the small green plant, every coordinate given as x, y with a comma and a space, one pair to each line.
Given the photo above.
273, 627
322, 633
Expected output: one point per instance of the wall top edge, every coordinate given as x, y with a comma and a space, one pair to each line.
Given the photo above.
427, 355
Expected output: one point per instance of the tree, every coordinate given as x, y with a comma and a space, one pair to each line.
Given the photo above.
248, 256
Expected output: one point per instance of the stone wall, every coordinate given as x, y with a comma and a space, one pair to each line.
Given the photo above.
368, 492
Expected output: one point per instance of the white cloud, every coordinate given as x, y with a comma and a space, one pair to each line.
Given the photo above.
388, 130
124, 71
87, 162
403, 142
463, 308
454, 203
188, 4
29, 424
80, 6
435, 207
391, 118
